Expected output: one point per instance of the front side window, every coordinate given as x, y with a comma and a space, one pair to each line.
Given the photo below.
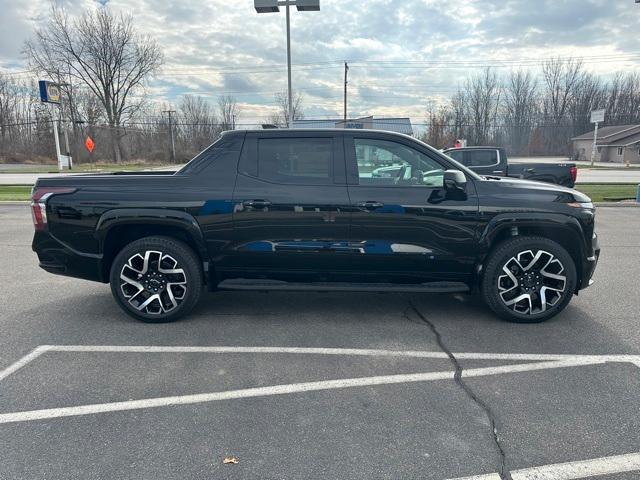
383, 162
296, 160
457, 155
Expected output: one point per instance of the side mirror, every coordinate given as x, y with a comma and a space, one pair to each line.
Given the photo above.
454, 180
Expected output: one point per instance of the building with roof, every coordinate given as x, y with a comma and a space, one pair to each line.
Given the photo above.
399, 125
617, 143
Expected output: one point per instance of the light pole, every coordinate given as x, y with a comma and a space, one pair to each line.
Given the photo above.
270, 6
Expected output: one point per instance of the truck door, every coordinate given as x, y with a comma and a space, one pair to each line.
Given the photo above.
291, 207
407, 228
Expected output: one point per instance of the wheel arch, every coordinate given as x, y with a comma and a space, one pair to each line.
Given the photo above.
562, 229
118, 228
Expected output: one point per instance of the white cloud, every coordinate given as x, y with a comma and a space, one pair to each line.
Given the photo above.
219, 46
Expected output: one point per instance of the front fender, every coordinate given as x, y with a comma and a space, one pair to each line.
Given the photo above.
557, 222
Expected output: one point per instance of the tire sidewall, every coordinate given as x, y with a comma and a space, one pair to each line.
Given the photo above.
187, 260
511, 248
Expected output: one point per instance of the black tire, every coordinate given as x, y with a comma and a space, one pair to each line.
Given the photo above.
177, 286
498, 286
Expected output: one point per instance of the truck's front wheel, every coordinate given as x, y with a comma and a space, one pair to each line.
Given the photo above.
528, 279
156, 279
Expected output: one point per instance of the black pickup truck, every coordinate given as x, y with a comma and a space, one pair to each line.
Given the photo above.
492, 161
302, 210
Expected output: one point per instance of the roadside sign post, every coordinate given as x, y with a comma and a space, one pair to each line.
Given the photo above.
89, 144
57, 137
51, 93
597, 116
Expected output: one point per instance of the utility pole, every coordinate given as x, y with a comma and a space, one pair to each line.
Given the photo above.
346, 71
173, 145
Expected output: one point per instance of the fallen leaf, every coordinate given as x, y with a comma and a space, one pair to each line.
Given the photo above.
230, 460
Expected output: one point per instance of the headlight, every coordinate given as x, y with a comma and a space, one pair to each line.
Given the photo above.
585, 205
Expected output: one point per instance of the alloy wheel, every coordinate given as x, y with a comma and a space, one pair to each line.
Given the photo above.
153, 282
532, 282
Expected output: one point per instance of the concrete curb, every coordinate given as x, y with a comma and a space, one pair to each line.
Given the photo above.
617, 204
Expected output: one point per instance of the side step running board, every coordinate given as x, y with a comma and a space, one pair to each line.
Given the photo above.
275, 285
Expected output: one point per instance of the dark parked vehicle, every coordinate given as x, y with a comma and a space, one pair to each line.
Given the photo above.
298, 210
492, 161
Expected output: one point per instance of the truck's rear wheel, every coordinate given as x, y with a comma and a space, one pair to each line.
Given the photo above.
528, 279
156, 279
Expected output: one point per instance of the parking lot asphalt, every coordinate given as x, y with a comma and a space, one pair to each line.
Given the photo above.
317, 386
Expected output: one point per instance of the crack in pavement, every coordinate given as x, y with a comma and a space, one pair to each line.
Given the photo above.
503, 471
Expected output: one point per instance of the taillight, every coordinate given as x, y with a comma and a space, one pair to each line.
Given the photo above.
39, 198
574, 173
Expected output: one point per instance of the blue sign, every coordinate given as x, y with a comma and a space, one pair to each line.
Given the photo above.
49, 92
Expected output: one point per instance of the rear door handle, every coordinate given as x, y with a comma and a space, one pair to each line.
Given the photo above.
530, 170
370, 204
256, 203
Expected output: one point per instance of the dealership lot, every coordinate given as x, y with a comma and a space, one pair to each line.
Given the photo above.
331, 385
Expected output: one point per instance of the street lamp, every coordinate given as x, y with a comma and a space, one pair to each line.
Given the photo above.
271, 6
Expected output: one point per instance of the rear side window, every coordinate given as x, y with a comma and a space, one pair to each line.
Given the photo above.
296, 160
226, 147
481, 158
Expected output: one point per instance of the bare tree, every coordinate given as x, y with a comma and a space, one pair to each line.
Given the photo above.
99, 50
623, 102
228, 112
19, 110
7, 109
590, 94
440, 134
561, 78
482, 95
281, 116
520, 109
199, 124
458, 104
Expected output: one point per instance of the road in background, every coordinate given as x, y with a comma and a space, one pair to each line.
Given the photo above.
431, 430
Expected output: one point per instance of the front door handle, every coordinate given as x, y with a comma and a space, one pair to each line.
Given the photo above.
256, 203
370, 205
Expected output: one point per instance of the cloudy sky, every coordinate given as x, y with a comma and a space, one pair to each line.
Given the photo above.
404, 55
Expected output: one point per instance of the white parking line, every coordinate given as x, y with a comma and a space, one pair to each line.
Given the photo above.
337, 351
635, 359
35, 353
284, 389
572, 470
488, 476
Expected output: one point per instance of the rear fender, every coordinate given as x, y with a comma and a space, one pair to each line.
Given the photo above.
174, 219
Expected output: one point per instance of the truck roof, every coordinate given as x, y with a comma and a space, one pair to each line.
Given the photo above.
475, 147
285, 131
